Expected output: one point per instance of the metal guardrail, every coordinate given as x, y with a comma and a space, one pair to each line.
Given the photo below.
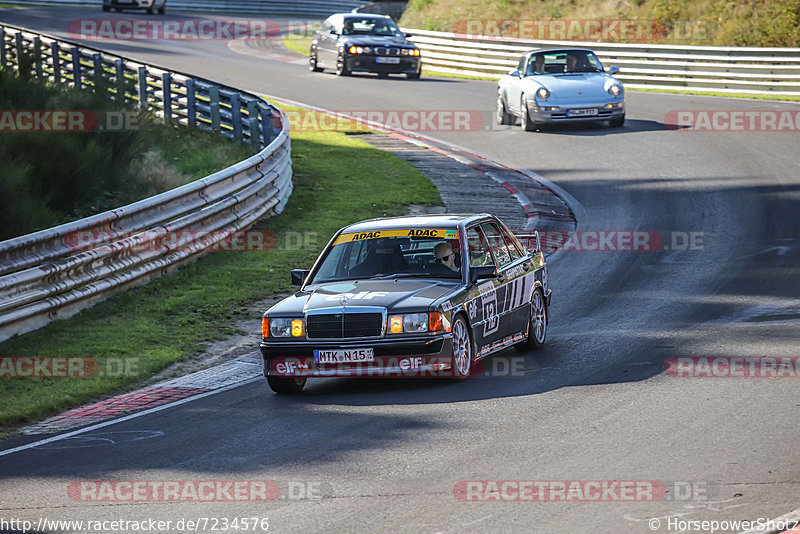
746, 70
56, 272
310, 8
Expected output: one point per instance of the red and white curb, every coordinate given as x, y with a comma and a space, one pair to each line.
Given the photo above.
232, 373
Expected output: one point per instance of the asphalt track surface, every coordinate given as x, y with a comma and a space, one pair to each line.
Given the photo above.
595, 404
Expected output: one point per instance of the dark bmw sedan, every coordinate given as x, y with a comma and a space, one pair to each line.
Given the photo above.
425, 296
358, 42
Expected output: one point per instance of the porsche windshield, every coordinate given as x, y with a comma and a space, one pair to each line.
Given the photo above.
563, 62
429, 253
371, 26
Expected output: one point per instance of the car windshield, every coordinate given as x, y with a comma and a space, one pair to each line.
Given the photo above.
563, 62
370, 26
407, 253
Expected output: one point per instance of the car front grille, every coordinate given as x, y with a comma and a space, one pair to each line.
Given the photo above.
387, 51
345, 325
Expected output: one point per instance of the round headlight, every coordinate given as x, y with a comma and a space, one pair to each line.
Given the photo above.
543, 93
614, 90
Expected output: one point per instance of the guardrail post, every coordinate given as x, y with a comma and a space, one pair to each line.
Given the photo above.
119, 75
191, 108
143, 88
19, 52
97, 67
236, 116
55, 52
213, 101
266, 124
2, 47
166, 94
77, 76
252, 123
37, 56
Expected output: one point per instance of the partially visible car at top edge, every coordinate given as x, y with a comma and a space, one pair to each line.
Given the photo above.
363, 42
560, 85
408, 297
149, 5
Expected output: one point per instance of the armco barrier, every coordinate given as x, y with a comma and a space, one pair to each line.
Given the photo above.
746, 70
44, 276
307, 8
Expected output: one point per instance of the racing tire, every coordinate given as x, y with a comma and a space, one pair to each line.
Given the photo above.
283, 385
312, 63
106, 8
162, 10
150, 10
502, 115
525, 121
537, 323
463, 350
383, 75
617, 123
341, 66
414, 75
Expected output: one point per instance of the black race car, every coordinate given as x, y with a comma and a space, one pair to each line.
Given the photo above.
359, 42
407, 296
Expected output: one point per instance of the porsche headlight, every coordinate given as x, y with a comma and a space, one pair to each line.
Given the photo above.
543, 93
614, 90
286, 327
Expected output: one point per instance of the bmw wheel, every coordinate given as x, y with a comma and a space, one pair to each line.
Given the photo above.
463, 353
501, 114
341, 66
525, 121
312, 62
286, 385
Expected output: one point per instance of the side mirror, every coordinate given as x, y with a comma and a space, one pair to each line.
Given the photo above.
482, 273
613, 69
333, 31
514, 73
299, 276
537, 243
409, 35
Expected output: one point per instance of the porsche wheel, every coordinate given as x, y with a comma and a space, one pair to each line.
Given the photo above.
501, 114
617, 123
525, 120
286, 385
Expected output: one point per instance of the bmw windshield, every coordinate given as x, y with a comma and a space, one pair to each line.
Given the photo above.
371, 26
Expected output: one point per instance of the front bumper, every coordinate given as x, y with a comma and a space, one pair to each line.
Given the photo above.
563, 113
130, 4
367, 63
393, 358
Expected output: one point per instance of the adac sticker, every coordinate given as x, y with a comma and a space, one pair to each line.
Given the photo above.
438, 233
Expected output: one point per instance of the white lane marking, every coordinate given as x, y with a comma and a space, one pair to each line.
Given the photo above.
791, 517
127, 417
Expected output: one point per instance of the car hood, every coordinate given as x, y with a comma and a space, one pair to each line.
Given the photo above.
399, 294
375, 40
590, 84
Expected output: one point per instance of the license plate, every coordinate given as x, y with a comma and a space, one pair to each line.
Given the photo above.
344, 356
581, 112
393, 60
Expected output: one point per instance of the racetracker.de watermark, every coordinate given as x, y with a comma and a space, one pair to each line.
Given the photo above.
724, 120
179, 29
75, 121
732, 367
217, 490
605, 30
614, 240
66, 367
578, 491
415, 120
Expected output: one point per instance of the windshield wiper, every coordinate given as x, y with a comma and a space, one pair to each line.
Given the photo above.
413, 275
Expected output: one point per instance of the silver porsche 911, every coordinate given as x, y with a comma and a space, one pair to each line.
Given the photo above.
560, 85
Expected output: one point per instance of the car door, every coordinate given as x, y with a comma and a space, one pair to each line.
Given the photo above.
327, 44
512, 268
483, 304
513, 91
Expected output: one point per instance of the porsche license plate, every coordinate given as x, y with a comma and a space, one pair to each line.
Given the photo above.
344, 356
587, 112
392, 60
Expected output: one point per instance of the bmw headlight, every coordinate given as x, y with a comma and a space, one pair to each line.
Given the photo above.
409, 51
284, 327
356, 50
614, 90
543, 93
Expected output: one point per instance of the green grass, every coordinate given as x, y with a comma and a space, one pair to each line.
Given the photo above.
297, 43
338, 180
783, 98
